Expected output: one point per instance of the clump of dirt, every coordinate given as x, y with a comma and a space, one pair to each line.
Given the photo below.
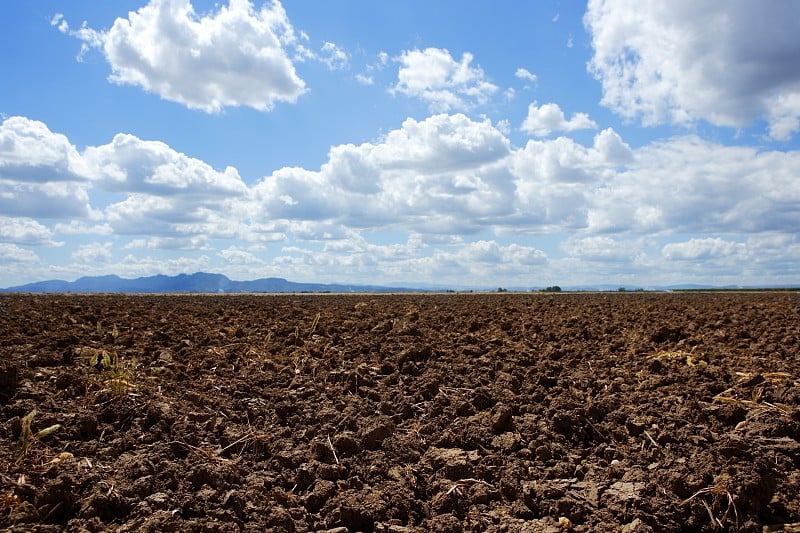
494, 412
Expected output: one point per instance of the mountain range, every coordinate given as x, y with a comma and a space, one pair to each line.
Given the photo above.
200, 282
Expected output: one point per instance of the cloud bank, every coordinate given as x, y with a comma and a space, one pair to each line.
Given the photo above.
450, 191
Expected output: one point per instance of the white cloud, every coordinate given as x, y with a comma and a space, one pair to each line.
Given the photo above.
493, 252
700, 249
353, 243
91, 38
446, 166
25, 231
503, 126
181, 242
693, 60
774, 255
234, 56
441, 143
449, 175
93, 253
42, 175
44, 200
129, 164
612, 148
75, 227
542, 121
363, 79
687, 185
13, 254
483, 262
525, 74
783, 115
564, 165
234, 256
175, 223
434, 76
58, 21
333, 56
171, 195
601, 248
30, 152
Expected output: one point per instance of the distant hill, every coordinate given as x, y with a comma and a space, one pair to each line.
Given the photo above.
199, 282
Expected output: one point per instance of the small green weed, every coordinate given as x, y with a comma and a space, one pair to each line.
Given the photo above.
120, 375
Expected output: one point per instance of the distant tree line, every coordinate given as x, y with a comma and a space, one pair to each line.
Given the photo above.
554, 288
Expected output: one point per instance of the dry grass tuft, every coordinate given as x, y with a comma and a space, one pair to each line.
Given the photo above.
718, 502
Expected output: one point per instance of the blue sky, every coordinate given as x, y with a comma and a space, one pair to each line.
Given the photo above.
456, 143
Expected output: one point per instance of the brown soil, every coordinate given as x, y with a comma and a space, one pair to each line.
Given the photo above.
503, 412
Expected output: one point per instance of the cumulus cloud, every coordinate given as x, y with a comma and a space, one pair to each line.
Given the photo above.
334, 56
450, 175
700, 249
694, 60
174, 223
774, 255
42, 175
181, 242
612, 148
76, 227
483, 262
364, 79
51, 200
446, 165
13, 254
169, 193
235, 256
600, 248
434, 76
687, 185
129, 164
234, 56
95, 252
30, 152
555, 180
25, 231
492, 252
542, 121
525, 74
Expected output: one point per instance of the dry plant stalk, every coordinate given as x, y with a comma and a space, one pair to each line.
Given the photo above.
720, 495
27, 438
467, 482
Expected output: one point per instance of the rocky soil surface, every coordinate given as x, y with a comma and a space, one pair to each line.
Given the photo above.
400, 413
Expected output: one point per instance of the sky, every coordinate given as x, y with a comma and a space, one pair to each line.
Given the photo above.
463, 144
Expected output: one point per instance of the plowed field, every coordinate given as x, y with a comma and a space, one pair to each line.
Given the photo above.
487, 412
